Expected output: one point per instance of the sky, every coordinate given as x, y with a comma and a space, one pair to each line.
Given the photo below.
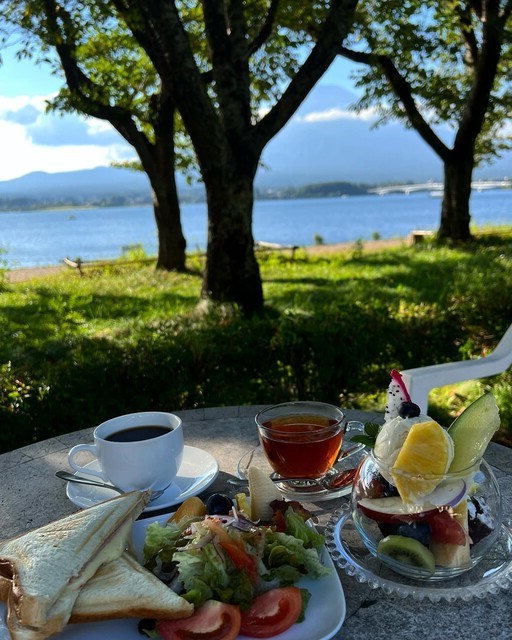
33, 140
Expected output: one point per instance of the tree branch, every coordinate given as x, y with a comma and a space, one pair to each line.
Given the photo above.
156, 25
331, 36
478, 100
468, 35
403, 92
87, 94
216, 30
266, 28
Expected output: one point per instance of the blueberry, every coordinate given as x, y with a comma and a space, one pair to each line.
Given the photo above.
388, 528
408, 410
379, 487
390, 491
218, 505
420, 531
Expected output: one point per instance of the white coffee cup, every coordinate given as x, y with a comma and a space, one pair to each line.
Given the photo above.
135, 451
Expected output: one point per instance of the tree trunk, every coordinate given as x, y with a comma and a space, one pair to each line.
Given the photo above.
455, 216
232, 272
166, 207
159, 162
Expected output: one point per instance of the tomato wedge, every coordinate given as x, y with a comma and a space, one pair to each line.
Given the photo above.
211, 621
241, 559
272, 613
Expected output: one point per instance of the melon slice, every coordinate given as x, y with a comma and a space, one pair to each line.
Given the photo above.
424, 458
472, 431
262, 492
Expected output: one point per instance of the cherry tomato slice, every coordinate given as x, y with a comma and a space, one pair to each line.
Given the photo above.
272, 613
211, 621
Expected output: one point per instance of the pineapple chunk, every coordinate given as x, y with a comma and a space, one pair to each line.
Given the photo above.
425, 456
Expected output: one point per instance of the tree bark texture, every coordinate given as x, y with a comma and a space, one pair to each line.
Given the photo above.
232, 272
166, 207
455, 214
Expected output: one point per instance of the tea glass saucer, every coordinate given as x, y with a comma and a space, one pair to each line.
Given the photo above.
302, 490
492, 574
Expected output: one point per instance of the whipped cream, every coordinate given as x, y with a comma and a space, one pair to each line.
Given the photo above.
392, 436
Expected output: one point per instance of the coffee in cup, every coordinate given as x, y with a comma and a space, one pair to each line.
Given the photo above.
135, 451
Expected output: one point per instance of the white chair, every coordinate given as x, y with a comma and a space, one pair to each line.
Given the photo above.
422, 380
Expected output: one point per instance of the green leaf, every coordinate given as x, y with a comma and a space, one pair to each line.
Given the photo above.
371, 431
371, 428
368, 441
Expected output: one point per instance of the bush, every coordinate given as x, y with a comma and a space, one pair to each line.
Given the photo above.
77, 351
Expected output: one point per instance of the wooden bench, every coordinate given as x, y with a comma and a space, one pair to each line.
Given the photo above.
274, 246
75, 264
419, 235
422, 380
83, 265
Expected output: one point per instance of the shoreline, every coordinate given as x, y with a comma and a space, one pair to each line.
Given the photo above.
24, 274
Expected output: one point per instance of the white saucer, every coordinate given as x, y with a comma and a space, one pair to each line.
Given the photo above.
197, 472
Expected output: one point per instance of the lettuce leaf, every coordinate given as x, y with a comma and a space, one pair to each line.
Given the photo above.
296, 527
284, 549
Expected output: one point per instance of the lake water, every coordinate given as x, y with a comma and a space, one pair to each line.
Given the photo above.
39, 238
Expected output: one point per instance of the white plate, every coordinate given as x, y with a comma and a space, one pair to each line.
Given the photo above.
197, 472
324, 616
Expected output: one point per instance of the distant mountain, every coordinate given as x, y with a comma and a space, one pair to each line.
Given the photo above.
324, 142
101, 181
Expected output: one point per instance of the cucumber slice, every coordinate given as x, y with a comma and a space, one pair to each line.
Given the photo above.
405, 550
472, 431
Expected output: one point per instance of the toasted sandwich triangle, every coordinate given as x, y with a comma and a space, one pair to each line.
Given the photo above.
49, 565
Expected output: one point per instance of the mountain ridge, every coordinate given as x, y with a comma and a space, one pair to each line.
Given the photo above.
324, 142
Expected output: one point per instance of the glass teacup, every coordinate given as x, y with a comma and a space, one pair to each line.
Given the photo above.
443, 535
301, 439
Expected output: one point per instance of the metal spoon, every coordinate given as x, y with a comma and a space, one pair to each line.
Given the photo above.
72, 477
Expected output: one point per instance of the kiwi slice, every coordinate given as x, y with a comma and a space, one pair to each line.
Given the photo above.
408, 551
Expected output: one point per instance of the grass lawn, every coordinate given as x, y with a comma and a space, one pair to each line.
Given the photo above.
77, 350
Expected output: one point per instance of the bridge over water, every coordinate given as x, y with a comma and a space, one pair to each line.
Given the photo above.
437, 187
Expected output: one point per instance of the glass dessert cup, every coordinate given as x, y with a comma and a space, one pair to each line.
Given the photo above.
442, 534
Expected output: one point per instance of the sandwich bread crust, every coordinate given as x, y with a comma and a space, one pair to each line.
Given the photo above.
47, 567
125, 589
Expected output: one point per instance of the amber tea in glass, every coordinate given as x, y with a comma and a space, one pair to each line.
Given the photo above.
301, 439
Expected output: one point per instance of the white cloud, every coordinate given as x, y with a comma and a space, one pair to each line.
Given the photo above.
48, 142
333, 114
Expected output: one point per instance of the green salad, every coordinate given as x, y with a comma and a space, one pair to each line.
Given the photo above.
232, 559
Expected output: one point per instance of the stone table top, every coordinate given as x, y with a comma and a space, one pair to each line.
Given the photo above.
31, 495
